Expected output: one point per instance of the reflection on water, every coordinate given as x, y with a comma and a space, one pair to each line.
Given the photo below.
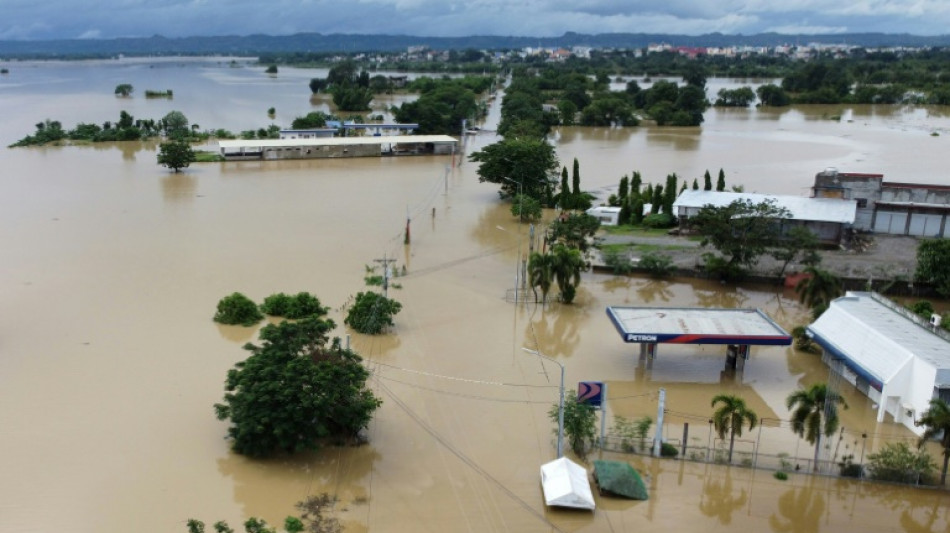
720, 499
799, 511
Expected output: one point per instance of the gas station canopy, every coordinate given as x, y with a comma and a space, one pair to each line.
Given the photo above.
685, 325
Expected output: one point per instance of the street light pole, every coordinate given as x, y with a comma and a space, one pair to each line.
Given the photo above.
560, 405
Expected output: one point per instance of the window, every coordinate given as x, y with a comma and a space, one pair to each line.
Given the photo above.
862, 202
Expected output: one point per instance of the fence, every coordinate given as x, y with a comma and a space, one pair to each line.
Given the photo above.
747, 454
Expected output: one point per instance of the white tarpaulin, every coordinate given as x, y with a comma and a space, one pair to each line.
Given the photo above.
565, 484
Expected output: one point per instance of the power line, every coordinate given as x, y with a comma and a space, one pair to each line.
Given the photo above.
467, 460
466, 380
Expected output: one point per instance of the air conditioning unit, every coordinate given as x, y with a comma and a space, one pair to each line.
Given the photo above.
935, 320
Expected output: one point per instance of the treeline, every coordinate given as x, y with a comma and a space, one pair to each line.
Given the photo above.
173, 125
539, 98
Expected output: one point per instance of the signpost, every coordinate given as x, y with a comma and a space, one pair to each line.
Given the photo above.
595, 393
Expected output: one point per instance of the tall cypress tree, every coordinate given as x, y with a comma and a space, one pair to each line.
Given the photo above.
623, 190
565, 198
657, 200
648, 196
707, 181
576, 177
721, 182
635, 183
695, 184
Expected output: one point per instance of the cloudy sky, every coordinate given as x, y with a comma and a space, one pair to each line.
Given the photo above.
68, 19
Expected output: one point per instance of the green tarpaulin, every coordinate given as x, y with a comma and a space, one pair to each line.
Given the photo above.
619, 478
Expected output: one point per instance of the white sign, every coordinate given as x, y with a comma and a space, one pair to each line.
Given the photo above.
640, 338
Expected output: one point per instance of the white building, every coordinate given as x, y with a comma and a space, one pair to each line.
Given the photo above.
608, 216
897, 359
825, 217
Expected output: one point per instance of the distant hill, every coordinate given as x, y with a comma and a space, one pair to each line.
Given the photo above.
316, 42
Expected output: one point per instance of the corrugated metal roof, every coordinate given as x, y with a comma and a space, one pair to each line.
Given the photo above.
877, 338
335, 141
801, 208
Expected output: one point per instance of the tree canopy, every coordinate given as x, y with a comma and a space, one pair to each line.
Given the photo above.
530, 162
294, 390
176, 155
730, 417
815, 413
933, 264
741, 231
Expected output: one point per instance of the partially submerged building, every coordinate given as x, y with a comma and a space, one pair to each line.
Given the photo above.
895, 358
889, 207
828, 218
336, 147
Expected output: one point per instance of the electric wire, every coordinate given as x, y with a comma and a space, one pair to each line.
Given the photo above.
466, 459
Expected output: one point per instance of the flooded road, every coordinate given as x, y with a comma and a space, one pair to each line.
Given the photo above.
110, 364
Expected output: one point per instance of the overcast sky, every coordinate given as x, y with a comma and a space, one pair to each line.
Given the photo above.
70, 19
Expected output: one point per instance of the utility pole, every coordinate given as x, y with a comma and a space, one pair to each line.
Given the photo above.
658, 437
407, 239
385, 263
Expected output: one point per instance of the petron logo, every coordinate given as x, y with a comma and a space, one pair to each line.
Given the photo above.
640, 338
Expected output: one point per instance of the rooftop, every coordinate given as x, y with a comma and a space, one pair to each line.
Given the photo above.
335, 141
685, 325
800, 207
879, 336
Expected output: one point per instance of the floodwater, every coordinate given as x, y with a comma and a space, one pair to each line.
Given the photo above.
112, 266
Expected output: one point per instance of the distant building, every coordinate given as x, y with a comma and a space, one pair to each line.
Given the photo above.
889, 207
608, 216
889, 354
825, 217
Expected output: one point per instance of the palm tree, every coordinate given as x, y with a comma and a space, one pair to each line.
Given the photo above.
730, 416
567, 265
937, 421
818, 289
815, 413
541, 274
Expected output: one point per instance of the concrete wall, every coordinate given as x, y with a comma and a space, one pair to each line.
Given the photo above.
322, 152
919, 194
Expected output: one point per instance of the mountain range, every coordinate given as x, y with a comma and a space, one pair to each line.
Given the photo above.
350, 43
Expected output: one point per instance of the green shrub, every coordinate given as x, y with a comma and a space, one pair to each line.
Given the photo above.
371, 313
718, 267
659, 220
237, 309
847, 468
898, 463
780, 475
657, 265
301, 305
668, 450
618, 261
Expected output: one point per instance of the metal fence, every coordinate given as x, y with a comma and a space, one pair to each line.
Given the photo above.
745, 454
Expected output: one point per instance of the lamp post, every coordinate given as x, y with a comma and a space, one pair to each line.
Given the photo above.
560, 405
520, 218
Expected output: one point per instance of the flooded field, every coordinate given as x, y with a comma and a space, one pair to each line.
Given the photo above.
112, 266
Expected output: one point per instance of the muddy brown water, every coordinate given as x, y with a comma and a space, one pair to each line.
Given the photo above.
112, 266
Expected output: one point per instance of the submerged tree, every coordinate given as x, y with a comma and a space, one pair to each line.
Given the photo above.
176, 155
936, 421
580, 423
730, 416
293, 391
815, 413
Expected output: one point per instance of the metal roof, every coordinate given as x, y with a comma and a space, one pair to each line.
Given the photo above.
875, 335
335, 141
800, 207
684, 325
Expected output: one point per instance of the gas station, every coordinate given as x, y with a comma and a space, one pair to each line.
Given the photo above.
738, 329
